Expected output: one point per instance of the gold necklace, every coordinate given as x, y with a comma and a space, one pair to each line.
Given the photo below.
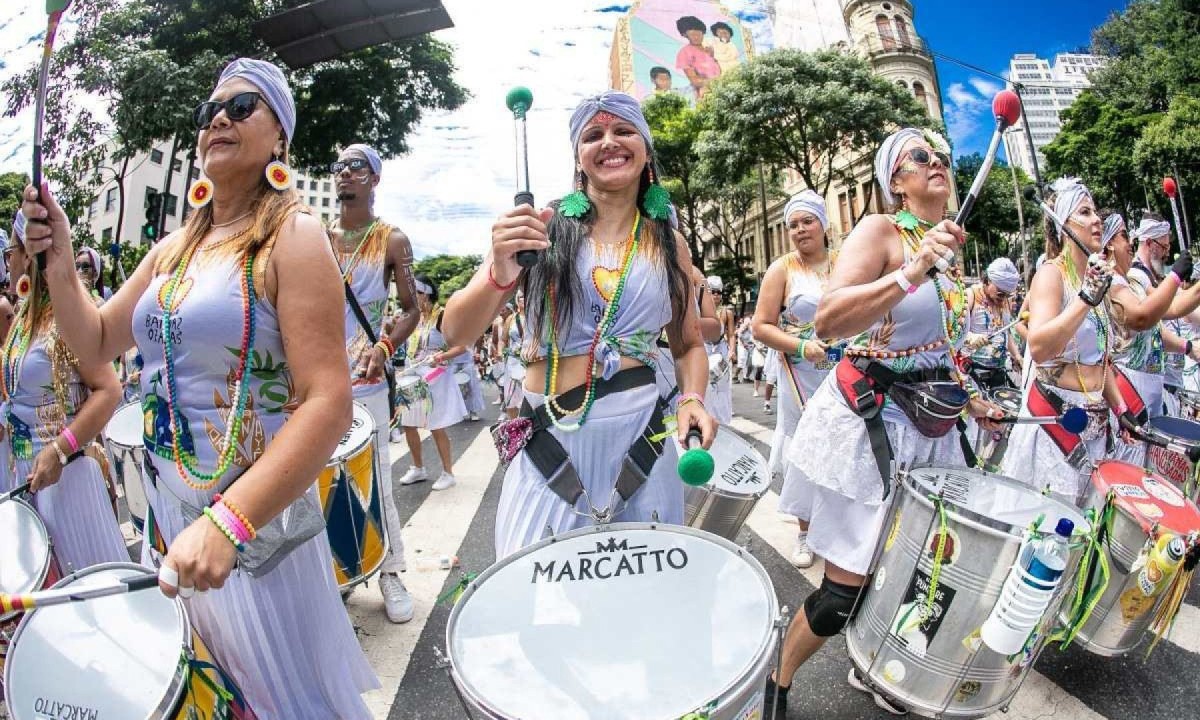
243, 216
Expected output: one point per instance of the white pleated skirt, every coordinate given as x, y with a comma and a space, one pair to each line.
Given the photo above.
664, 377
527, 506
442, 408
1034, 459
79, 516
718, 399
284, 638
796, 497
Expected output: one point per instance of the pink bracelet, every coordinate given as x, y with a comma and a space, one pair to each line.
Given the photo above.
232, 522
70, 438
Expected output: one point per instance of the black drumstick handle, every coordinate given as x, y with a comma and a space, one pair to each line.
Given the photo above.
525, 258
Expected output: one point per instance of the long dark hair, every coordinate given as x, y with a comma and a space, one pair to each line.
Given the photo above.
567, 236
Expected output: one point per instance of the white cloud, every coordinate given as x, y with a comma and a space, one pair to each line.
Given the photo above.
984, 87
967, 109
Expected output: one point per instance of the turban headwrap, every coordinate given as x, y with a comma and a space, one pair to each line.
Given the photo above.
270, 81
888, 157
19, 226
93, 258
614, 103
715, 283
1148, 228
1003, 275
423, 288
1069, 192
373, 158
1113, 225
807, 201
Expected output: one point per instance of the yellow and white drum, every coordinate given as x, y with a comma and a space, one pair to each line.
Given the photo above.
127, 656
123, 439
350, 494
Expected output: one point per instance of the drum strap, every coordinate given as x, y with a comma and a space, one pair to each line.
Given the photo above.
389, 370
1130, 396
1044, 402
552, 461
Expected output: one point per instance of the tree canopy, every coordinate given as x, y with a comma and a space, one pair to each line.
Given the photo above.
993, 229
448, 272
675, 125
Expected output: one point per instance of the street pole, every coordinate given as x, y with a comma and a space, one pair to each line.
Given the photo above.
762, 199
1021, 223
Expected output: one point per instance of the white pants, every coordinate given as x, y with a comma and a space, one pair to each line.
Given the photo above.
377, 404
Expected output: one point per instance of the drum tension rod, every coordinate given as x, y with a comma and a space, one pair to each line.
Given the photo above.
442, 662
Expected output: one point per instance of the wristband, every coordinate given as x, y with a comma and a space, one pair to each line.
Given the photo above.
231, 521
1177, 276
903, 282
494, 283
225, 529
800, 349
691, 397
62, 456
237, 513
69, 436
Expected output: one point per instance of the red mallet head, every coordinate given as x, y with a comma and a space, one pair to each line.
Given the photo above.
1006, 106
1169, 187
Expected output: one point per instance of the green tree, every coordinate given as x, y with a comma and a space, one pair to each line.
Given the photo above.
1096, 143
1170, 145
736, 274
11, 185
448, 272
724, 218
675, 125
803, 111
994, 227
1155, 51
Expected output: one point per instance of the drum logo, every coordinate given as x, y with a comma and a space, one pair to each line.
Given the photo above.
610, 559
918, 618
744, 470
63, 711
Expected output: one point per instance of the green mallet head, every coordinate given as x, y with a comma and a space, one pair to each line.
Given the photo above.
519, 100
696, 465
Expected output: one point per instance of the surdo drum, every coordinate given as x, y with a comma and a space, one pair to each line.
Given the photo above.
123, 439
740, 478
631, 620
926, 654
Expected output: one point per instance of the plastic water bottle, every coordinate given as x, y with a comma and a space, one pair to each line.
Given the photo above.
440, 562
1051, 553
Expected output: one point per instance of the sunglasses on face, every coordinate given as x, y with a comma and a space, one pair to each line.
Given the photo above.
237, 108
353, 165
84, 267
921, 156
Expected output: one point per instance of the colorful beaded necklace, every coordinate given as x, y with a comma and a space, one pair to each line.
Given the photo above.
602, 328
185, 463
349, 235
1099, 315
15, 347
952, 306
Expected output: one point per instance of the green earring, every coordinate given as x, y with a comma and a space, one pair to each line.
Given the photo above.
575, 205
657, 202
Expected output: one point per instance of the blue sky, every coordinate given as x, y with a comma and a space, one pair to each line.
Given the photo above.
986, 34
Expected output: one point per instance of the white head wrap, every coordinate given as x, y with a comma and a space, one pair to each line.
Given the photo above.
1069, 192
373, 158
888, 156
269, 80
19, 226
93, 258
1003, 274
715, 283
423, 288
1148, 229
807, 201
1113, 225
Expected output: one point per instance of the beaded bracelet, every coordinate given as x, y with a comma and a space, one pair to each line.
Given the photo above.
496, 284
218, 499
690, 397
236, 526
72, 441
220, 523
799, 354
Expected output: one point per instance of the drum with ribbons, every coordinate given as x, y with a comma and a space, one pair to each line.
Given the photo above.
739, 480
1173, 450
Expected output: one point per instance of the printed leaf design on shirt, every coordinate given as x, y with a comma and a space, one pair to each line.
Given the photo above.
22, 437
275, 391
880, 339
252, 434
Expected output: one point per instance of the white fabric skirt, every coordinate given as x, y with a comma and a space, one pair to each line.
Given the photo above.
79, 516
473, 394
284, 638
796, 497
718, 399
442, 407
1034, 459
527, 506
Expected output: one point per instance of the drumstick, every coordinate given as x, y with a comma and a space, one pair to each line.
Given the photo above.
696, 465
18, 490
54, 13
1020, 319
1074, 420
61, 596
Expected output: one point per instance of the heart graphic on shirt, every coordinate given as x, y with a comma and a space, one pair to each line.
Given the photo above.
181, 292
606, 281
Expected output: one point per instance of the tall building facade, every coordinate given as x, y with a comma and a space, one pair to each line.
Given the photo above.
146, 175
1047, 89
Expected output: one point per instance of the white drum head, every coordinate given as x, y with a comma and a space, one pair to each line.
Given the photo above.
27, 548
127, 426
362, 427
620, 621
109, 657
739, 468
995, 498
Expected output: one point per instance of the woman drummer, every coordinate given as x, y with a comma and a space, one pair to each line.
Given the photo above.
437, 402
613, 275
783, 320
91, 272
719, 395
246, 389
1070, 339
881, 283
55, 406
989, 310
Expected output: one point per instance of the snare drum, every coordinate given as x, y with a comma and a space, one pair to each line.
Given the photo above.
631, 620
132, 655
350, 494
1170, 462
408, 389
516, 369
464, 383
740, 478
123, 441
1143, 506
990, 445
938, 667
29, 562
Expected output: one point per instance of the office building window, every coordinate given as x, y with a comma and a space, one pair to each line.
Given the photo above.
110, 200
326, 186
312, 184
324, 202
177, 165
902, 32
195, 174
156, 157
172, 204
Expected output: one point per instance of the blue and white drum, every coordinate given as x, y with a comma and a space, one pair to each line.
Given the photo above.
631, 620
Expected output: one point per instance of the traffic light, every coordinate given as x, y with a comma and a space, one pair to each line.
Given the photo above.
150, 231
153, 212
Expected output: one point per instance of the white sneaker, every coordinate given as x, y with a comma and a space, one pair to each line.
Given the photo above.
396, 435
414, 475
473, 417
396, 601
802, 557
496, 401
756, 393
445, 481
881, 702
767, 407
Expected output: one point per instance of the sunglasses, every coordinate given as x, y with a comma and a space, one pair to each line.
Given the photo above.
353, 164
84, 267
237, 108
921, 156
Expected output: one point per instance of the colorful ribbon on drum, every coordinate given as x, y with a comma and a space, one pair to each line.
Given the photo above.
1087, 598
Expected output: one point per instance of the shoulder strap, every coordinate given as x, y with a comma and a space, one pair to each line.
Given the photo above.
358, 313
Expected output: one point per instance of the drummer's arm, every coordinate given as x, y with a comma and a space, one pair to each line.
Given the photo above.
448, 354
765, 325
103, 397
1141, 315
1173, 343
1185, 302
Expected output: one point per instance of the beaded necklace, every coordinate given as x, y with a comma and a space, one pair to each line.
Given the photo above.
347, 271
952, 306
184, 463
602, 328
1099, 315
15, 347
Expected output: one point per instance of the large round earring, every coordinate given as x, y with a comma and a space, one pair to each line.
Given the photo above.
200, 194
24, 286
279, 175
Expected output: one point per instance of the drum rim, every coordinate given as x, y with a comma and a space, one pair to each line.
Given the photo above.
339, 460
141, 436
713, 489
1192, 443
45, 571
175, 690
1140, 520
768, 640
980, 522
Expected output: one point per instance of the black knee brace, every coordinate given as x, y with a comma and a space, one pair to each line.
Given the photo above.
830, 607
